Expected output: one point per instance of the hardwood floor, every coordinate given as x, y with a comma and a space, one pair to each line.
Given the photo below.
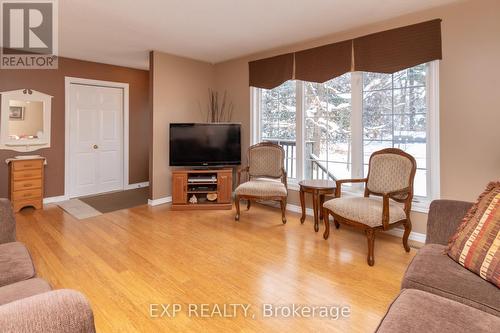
123, 261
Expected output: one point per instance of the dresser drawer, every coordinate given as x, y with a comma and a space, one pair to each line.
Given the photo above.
27, 165
27, 184
27, 194
26, 174
19, 204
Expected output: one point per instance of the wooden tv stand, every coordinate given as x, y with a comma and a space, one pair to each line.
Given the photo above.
200, 183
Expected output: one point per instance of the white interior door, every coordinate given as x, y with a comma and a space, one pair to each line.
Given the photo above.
96, 139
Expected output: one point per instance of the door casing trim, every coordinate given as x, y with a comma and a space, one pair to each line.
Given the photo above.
68, 81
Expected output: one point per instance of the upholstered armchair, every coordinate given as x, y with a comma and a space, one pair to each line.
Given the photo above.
390, 176
266, 176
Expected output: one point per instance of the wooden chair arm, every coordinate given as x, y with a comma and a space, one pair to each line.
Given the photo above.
240, 170
339, 182
385, 204
284, 177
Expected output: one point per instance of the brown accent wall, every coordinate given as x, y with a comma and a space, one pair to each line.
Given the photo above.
469, 98
52, 82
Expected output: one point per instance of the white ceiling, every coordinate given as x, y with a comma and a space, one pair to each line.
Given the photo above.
122, 32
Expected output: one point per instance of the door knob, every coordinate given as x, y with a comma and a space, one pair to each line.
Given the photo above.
95, 146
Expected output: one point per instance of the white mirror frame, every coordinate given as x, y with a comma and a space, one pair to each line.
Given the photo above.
24, 145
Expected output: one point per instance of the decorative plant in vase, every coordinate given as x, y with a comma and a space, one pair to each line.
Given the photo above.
218, 111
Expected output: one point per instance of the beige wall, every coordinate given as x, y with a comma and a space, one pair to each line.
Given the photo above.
469, 93
179, 87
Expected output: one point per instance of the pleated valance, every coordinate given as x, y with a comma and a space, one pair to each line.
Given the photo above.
382, 52
271, 72
322, 63
394, 50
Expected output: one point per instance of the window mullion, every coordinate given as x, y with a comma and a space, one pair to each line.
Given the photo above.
255, 107
357, 124
299, 134
433, 151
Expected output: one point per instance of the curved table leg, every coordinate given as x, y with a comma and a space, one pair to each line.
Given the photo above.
302, 206
315, 210
321, 202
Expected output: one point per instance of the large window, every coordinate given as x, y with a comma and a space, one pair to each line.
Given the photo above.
395, 115
278, 121
329, 130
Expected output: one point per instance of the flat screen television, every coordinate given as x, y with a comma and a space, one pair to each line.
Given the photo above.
212, 144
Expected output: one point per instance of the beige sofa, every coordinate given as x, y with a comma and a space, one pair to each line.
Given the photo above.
27, 303
439, 295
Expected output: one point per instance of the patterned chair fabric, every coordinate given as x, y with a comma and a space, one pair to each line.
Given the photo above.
390, 170
266, 177
262, 188
364, 210
265, 161
388, 173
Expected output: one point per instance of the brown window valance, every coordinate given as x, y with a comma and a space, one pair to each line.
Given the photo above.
269, 73
323, 63
383, 52
394, 50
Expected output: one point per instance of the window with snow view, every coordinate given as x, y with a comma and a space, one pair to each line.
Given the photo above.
278, 121
395, 115
329, 130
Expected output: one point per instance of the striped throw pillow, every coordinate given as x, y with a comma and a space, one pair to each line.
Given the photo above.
476, 243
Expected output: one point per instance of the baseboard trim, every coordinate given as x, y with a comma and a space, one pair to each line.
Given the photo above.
50, 200
136, 185
297, 209
414, 236
159, 201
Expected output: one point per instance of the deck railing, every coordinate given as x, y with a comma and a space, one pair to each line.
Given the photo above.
316, 169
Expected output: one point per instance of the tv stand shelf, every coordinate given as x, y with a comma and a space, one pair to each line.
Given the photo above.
210, 181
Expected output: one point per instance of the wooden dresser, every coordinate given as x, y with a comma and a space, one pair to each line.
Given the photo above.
26, 183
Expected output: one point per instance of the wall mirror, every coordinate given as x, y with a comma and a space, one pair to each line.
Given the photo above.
25, 120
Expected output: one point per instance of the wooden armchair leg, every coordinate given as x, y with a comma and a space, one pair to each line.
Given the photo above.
283, 210
237, 204
337, 224
406, 234
370, 235
248, 204
327, 223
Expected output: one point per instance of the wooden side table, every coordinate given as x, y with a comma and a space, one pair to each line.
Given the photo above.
318, 188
